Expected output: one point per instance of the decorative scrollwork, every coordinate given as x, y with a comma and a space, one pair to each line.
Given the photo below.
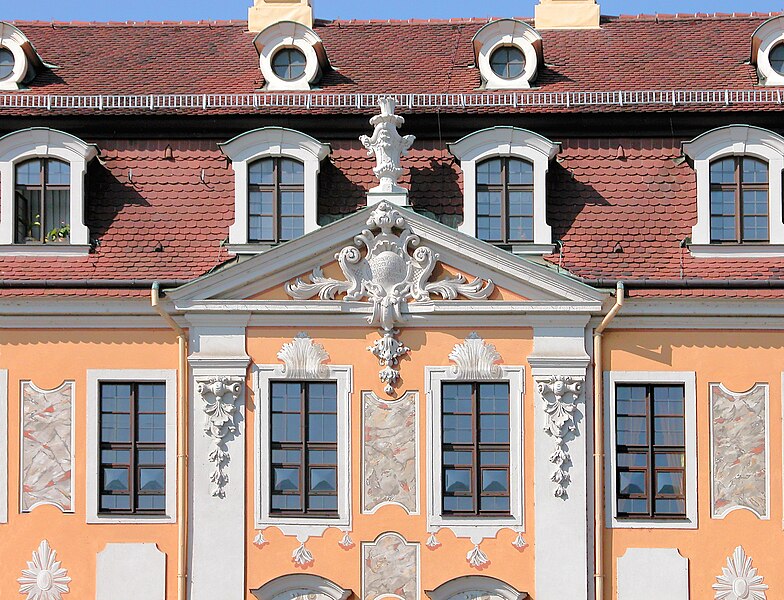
220, 395
560, 394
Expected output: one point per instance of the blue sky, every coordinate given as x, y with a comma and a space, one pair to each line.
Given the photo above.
104, 10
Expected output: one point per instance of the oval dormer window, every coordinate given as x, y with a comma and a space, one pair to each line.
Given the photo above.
776, 58
508, 62
6, 63
289, 64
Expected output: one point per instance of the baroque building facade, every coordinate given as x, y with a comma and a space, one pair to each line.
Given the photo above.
392, 309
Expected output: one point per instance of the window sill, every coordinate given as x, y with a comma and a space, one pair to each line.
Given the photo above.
304, 526
249, 248
737, 250
129, 519
44, 250
472, 527
653, 524
532, 249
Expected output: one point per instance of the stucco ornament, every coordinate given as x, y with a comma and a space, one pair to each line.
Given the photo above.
739, 580
393, 270
220, 395
44, 578
304, 358
475, 359
387, 145
476, 558
302, 556
346, 542
560, 394
432, 542
519, 542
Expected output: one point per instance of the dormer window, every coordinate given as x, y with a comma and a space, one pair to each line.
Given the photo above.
276, 186
19, 60
767, 51
289, 64
291, 56
7, 63
508, 53
739, 192
505, 187
42, 192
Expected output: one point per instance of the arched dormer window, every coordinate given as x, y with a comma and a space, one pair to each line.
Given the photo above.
508, 53
291, 56
19, 60
475, 586
739, 192
42, 192
505, 187
276, 185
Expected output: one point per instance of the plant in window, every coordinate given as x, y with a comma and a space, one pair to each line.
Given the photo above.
59, 234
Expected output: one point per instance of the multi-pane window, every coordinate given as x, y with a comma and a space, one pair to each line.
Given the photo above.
276, 200
505, 200
6, 63
43, 197
304, 449
132, 475
508, 62
650, 451
289, 64
475, 449
739, 200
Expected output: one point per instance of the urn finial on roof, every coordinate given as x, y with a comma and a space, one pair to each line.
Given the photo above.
389, 147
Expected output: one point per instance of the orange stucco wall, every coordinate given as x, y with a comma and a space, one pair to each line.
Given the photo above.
348, 346
738, 360
48, 358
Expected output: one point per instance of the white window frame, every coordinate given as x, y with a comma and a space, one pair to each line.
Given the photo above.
508, 32
290, 34
44, 143
730, 141
263, 376
94, 378
3, 445
475, 526
688, 379
513, 142
271, 142
766, 37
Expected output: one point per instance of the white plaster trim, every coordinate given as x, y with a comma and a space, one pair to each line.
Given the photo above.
767, 36
475, 528
736, 140
3, 445
736, 250
289, 34
42, 142
94, 378
302, 527
417, 452
272, 142
724, 513
66, 382
49, 249
508, 32
507, 141
282, 587
689, 380
405, 543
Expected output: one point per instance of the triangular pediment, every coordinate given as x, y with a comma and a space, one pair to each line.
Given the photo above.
438, 258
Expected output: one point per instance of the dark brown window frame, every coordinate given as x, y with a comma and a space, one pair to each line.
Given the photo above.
505, 188
304, 446
476, 448
650, 450
276, 188
41, 189
133, 448
738, 186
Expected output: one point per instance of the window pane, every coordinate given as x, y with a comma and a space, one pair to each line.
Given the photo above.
151, 480
670, 507
508, 62
115, 428
261, 172
668, 431
323, 503
632, 506
521, 203
152, 397
6, 63
287, 502
489, 229
493, 398
289, 64
631, 400
115, 456
151, 428
494, 429
668, 482
521, 229
322, 428
489, 172
292, 172
323, 397
58, 172
722, 171
115, 480
668, 400
286, 397
152, 457
494, 458
458, 429
28, 215
520, 172
457, 480
670, 459
632, 431
495, 481
458, 504
291, 228
29, 173
56, 214
321, 457
286, 428
323, 480
458, 458
632, 460
286, 456
494, 503
631, 483
261, 229
285, 479
261, 203
115, 502
457, 398
151, 502
488, 203
754, 171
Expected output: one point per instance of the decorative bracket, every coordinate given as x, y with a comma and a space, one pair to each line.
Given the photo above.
220, 395
560, 394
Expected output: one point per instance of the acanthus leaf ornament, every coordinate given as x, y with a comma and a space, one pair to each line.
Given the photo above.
44, 578
476, 558
303, 358
432, 542
302, 556
220, 395
475, 359
739, 580
393, 271
346, 542
519, 542
560, 394
387, 145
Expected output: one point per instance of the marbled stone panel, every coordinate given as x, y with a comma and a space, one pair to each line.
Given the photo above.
390, 567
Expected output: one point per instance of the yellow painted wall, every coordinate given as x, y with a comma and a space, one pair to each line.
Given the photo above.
738, 360
348, 346
48, 357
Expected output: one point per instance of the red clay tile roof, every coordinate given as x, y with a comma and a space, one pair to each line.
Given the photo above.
407, 57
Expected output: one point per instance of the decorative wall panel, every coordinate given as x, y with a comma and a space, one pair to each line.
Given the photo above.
119, 568
740, 450
389, 452
390, 567
47, 438
653, 574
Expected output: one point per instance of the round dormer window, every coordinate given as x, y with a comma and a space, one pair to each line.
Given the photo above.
508, 62
7, 63
776, 58
289, 64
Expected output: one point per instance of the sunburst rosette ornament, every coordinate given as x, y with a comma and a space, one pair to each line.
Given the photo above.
739, 580
44, 578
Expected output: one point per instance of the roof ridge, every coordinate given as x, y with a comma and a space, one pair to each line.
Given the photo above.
433, 21
132, 23
682, 16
